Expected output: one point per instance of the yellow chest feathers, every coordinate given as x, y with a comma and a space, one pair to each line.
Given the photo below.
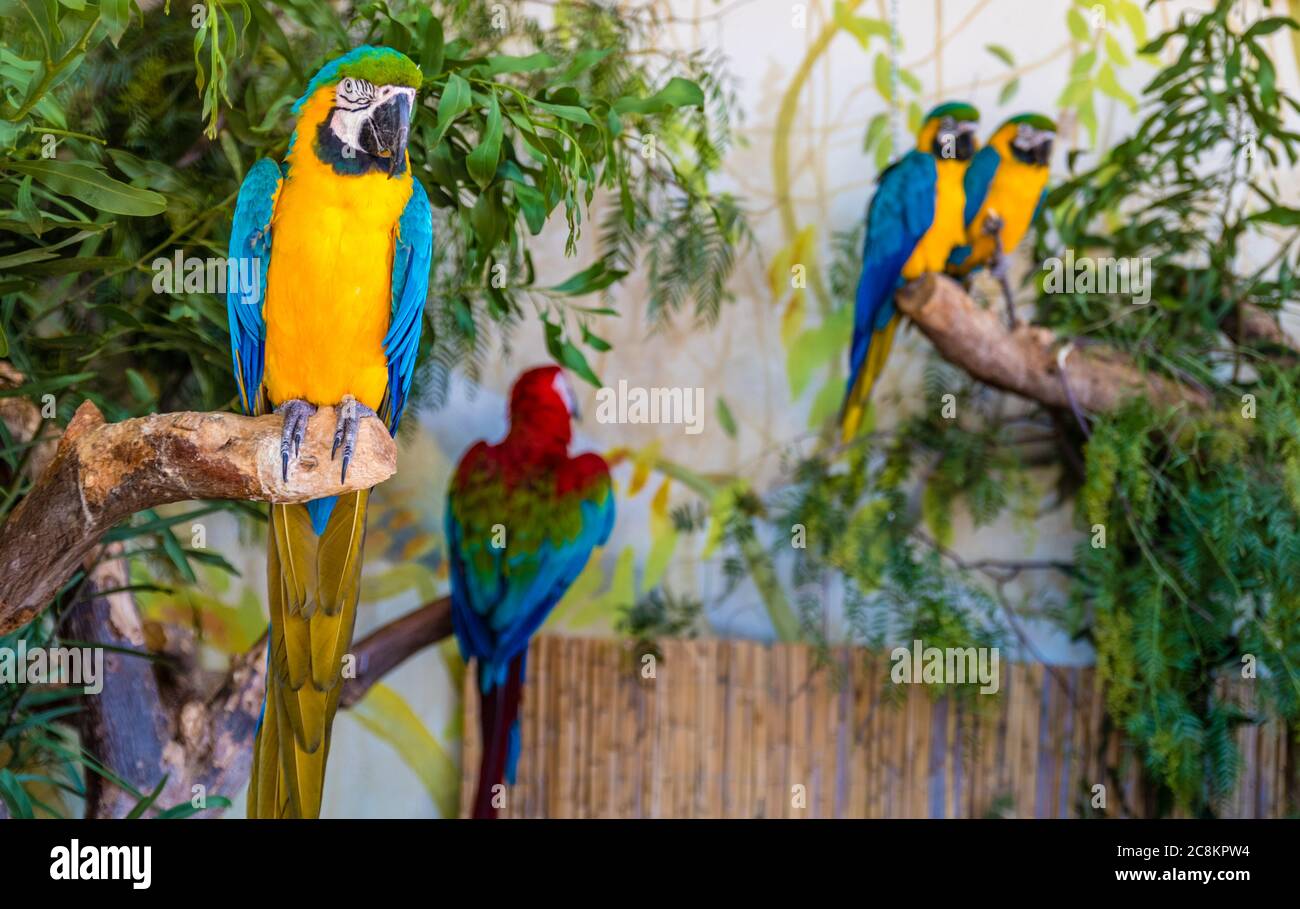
1013, 196
329, 294
948, 230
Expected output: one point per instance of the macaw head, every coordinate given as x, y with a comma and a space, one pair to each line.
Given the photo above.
357, 111
543, 405
948, 131
1026, 137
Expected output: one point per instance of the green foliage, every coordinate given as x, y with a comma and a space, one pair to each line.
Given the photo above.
1197, 575
37, 762
1187, 191
846, 521
1099, 54
660, 614
1199, 510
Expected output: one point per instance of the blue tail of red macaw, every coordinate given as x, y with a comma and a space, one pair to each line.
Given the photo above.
499, 722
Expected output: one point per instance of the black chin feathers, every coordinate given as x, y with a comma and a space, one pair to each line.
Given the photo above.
352, 161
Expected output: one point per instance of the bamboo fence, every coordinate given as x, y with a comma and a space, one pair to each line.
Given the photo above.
732, 729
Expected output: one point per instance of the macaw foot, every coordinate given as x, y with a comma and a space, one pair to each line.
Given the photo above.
992, 224
1012, 322
345, 431
999, 266
295, 413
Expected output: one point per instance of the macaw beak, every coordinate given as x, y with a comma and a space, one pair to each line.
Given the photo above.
965, 145
1043, 151
387, 131
575, 409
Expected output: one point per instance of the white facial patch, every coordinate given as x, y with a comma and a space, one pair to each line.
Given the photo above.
566, 393
355, 100
347, 124
1026, 136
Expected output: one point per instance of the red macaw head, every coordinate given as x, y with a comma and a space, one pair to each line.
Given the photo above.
543, 402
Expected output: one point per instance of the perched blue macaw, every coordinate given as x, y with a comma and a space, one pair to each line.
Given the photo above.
914, 221
343, 237
522, 519
1005, 187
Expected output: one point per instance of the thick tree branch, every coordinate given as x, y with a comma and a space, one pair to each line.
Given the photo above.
103, 472
1028, 360
381, 651
122, 723
195, 728
167, 716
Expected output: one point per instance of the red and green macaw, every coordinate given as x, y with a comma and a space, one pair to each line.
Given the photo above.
914, 221
1005, 187
522, 520
343, 237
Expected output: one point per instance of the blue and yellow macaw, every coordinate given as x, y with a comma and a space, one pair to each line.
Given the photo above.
1005, 187
522, 519
914, 221
343, 237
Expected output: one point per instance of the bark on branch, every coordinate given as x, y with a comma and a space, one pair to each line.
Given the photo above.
384, 649
103, 472
1028, 360
169, 717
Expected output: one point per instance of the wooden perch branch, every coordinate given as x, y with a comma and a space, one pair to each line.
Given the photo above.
103, 472
381, 651
1027, 361
168, 716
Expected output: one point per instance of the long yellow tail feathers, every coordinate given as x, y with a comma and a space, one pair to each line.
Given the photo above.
313, 587
855, 406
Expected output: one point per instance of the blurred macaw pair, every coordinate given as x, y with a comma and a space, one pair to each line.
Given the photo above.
947, 206
342, 236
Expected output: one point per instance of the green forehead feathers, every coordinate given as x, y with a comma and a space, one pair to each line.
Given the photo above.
958, 110
376, 65
1037, 121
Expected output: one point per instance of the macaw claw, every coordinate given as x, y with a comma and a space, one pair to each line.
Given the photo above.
999, 267
345, 431
295, 413
992, 225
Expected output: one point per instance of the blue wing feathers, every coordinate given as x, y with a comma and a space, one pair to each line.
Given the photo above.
978, 179
976, 183
901, 211
411, 258
1038, 209
494, 623
250, 238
